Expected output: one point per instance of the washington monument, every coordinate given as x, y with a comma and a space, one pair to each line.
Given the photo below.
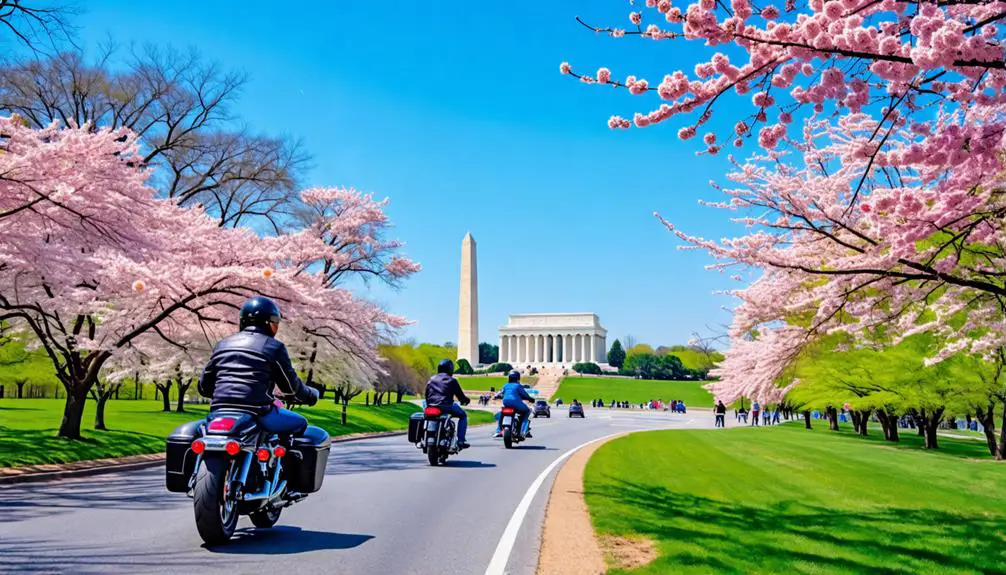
468, 314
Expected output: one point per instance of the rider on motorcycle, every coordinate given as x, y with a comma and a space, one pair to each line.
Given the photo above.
514, 395
441, 391
246, 367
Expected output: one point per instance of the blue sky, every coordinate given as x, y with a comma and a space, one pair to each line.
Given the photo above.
458, 114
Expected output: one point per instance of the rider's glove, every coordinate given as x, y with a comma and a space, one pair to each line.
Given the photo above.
465, 401
313, 397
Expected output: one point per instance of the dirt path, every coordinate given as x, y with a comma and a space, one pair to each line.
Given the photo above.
568, 542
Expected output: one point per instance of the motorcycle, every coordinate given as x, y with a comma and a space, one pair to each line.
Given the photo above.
230, 466
511, 425
435, 432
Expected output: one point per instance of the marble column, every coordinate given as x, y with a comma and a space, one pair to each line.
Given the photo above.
589, 355
501, 356
555, 349
567, 348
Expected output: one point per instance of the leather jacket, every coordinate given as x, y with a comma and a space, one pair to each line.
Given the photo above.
246, 367
442, 389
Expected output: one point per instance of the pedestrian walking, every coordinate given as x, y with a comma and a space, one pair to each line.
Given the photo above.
755, 411
721, 412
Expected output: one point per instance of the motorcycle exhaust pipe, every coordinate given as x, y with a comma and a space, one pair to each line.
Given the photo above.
267, 490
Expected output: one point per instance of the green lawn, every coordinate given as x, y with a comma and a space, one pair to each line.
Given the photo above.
28, 427
484, 382
633, 390
788, 500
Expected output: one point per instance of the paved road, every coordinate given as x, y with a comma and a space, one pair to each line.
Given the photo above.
382, 510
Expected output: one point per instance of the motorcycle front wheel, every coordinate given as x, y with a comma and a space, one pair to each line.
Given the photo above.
215, 509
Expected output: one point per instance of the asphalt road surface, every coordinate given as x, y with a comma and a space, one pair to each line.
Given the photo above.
382, 510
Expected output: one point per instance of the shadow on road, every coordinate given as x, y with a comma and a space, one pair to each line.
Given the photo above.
287, 540
534, 448
470, 464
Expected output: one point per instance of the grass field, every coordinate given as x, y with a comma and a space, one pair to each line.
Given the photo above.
28, 427
484, 382
788, 500
633, 390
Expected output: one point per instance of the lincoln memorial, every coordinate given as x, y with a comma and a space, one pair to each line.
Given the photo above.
553, 338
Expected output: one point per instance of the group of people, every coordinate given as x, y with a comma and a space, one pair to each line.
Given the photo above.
676, 405
765, 417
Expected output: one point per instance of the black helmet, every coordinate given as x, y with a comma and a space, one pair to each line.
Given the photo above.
514, 376
446, 366
259, 311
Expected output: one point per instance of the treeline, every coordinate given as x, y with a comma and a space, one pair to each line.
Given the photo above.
677, 362
894, 386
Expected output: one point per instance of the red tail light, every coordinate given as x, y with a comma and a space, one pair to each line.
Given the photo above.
508, 411
198, 446
280, 451
263, 454
232, 448
432, 411
222, 424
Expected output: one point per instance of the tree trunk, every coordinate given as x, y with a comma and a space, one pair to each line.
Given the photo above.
182, 388
806, 420
345, 404
889, 424
864, 419
398, 395
987, 419
99, 412
20, 388
366, 399
832, 418
931, 426
1002, 435
73, 413
855, 420
165, 395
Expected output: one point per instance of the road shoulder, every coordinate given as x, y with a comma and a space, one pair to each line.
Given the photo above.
568, 541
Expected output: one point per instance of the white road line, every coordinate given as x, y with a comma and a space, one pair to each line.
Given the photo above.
497, 564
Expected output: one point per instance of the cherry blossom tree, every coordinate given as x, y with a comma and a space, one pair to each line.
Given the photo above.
899, 60
94, 262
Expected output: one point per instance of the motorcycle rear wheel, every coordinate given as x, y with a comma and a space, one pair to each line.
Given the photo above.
216, 512
433, 454
507, 438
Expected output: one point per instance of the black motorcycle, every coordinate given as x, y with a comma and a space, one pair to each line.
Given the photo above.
230, 467
435, 432
512, 433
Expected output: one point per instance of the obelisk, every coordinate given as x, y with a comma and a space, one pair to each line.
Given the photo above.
468, 314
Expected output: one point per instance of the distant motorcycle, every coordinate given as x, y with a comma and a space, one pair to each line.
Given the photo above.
435, 432
511, 427
230, 467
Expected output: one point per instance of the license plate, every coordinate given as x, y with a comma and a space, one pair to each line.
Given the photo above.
507, 420
431, 426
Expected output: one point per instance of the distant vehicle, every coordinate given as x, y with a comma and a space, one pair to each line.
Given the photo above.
541, 408
576, 409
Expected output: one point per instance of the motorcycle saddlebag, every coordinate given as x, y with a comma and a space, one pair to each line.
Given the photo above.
180, 462
417, 427
306, 461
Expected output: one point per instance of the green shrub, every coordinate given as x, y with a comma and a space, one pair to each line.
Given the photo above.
464, 368
500, 368
587, 368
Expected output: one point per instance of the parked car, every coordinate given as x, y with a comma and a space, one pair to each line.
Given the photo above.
541, 408
576, 409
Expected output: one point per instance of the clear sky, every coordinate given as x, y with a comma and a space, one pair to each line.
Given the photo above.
456, 111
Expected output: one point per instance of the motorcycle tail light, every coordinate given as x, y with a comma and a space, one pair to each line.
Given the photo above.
432, 411
508, 411
280, 451
263, 454
198, 446
232, 447
222, 424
